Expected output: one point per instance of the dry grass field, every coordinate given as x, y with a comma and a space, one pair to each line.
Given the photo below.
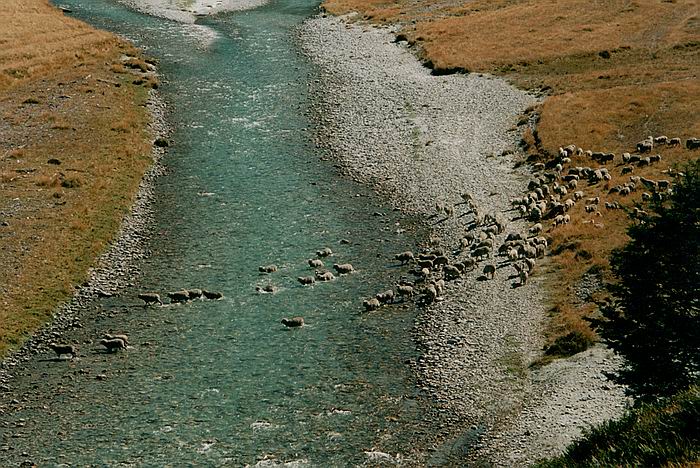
613, 72
72, 153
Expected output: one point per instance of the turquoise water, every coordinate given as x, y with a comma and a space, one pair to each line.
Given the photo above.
223, 382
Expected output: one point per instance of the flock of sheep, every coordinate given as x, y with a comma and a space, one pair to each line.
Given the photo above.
111, 343
556, 188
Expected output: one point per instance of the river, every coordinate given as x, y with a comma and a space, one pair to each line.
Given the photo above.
214, 383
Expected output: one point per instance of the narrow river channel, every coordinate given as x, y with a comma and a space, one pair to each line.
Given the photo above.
223, 383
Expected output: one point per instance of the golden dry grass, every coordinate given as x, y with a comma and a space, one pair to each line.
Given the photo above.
614, 72
60, 99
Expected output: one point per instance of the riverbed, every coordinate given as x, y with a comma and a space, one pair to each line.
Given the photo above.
224, 382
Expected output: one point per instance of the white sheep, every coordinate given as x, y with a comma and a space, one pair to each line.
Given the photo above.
124, 338
371, 304
530, 264
306, 280
267, 269
324, 252
315, 263
325, 276
536, 229
343, 268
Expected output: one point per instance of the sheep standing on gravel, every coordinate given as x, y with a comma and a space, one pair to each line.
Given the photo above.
430, 294
489, 271
61, 349
405, 291
523, 277
113, 344
451, 272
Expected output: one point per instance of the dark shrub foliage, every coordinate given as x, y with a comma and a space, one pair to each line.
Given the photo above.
655, 323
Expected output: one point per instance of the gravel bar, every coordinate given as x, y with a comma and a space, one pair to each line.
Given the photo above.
418, 139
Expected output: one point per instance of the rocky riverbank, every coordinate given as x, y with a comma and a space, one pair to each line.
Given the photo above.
422, 140
188, 13
115, 269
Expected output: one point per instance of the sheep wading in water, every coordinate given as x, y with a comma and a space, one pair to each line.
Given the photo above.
61, 349
294, 322
211, 295
306, 280
150, 298
371, 304
267, 269
179, 296
343, 268
324, 252
113, 345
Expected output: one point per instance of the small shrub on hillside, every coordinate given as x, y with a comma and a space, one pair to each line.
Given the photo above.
655, 322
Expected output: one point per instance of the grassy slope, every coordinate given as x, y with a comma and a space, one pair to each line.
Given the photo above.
63, 95
614, 72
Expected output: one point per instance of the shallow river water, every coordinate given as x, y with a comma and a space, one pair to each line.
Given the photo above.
215, 383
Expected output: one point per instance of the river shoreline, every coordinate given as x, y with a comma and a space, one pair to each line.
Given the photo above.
199, 8
114, 270
419, 140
